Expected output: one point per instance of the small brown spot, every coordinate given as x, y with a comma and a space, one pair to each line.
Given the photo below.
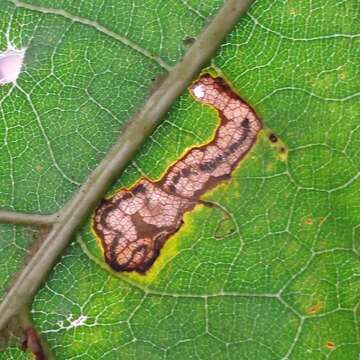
282, 150
189, 40
309, 221
330, 345
314, 308
273, 138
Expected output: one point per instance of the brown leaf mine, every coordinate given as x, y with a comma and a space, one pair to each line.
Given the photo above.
134, 224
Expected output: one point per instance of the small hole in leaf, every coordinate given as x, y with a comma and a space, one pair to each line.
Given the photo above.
11, 62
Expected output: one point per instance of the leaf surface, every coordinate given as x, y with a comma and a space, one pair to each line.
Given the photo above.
275, 273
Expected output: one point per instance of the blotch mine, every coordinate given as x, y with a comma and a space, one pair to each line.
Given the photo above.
134, 224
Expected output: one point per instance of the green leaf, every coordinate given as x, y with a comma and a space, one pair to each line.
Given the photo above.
275, 274
15, 244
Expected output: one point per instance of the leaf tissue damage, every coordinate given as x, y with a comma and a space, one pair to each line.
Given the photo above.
11, 62
134, 224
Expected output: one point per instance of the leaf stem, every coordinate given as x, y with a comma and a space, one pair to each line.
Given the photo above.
143, 123
14, 217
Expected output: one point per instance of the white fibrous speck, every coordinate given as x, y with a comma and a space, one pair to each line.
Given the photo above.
11, 62
77, 322
199, 91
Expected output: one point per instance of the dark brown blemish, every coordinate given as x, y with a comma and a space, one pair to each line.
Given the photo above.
133, 228
273, 138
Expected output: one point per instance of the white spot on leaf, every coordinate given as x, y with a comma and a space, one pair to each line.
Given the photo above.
77, 322
199, 91
11, 62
